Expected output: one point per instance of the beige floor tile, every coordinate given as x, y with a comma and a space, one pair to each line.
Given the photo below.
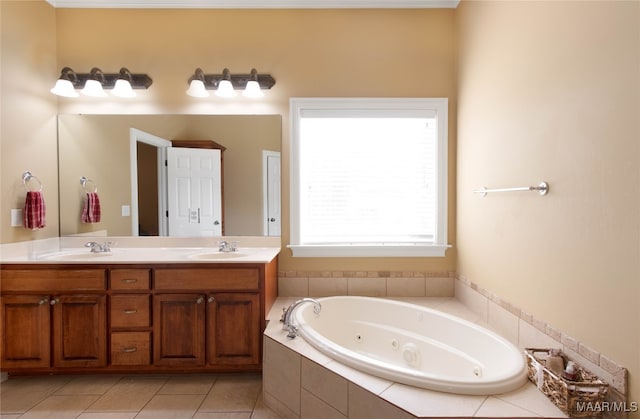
88, 384
108, 415
171, 406
19, 394
60, 407
237, 393
262, 411
129, 394
222, 415
188, 384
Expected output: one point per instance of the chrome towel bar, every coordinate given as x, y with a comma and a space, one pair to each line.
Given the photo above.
542, 189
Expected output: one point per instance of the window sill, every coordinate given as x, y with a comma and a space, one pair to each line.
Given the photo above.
347, 251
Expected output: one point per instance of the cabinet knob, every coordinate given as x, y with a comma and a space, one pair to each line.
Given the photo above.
211, 299
200, 300
54, 301
43, 301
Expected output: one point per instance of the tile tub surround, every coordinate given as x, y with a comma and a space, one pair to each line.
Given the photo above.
365, 283
525, 331
299, 381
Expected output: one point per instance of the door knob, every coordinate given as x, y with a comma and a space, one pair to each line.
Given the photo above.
216, 222
272, 219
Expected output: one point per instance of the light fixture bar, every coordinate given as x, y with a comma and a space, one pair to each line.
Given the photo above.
138, 81
239, 81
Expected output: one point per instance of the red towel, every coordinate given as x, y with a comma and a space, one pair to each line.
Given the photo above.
33, 215
91, 210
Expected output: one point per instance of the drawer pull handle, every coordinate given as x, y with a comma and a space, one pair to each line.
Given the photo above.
211, 300
129, 350
54, 301
43, 301
129, 281
200, 300
130, 311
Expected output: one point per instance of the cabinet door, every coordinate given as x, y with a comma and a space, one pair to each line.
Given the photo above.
178, 329
233, 329
25, 331
79, 331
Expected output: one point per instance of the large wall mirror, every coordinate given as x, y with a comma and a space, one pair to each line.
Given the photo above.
102, 148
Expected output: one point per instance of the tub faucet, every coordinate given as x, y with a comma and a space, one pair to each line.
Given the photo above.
99, 248
286, 315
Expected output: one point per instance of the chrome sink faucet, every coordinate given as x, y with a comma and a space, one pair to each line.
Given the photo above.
288, 312
225, 246
99, 248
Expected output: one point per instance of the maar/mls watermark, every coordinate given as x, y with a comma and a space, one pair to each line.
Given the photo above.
601, 407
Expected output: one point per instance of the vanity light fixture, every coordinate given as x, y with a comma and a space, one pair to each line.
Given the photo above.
252, 89
93, 85
65, 84
123, 87
226, 84
225, 88
196, 85
95, 82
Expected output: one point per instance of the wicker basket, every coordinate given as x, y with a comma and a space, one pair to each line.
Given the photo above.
575, 398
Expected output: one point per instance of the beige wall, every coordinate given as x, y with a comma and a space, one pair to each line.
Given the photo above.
388, 53
27, 112
550, 91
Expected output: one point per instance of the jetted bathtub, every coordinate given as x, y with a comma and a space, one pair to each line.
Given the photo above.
413, 345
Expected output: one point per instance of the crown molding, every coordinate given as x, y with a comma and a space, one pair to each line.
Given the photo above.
255, 4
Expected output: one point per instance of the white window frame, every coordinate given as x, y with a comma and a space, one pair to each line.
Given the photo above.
439, 245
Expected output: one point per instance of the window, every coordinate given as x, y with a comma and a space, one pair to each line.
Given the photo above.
368, 177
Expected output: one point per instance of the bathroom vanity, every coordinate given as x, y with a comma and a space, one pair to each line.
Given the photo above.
142, 309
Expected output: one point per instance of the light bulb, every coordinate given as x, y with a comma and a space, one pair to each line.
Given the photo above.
64, 88
93, 88
252, 89
225, 89
197, 89
123, 89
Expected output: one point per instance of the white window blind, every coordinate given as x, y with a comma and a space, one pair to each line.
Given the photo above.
366, 178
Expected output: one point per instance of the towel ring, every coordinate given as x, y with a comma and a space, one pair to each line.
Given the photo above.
27, 177
84, 181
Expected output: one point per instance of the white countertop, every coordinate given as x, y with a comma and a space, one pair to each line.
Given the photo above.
71, 250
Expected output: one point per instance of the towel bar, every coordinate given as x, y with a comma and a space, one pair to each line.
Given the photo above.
542, 189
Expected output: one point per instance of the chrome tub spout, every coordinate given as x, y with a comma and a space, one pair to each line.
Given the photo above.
287, 313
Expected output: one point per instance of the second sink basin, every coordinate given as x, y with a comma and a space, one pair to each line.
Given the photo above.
216, 255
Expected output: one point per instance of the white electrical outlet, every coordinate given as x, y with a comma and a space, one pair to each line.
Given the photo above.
126, 211
16, 217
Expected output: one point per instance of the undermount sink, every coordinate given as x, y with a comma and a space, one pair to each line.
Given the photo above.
73, 255
216, 255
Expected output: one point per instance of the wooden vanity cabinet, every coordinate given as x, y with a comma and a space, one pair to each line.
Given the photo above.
25, 331
120, 318
130, 316
53, 318
219, 324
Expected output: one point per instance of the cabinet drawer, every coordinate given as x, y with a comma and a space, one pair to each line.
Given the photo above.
130, 310
129, 279
207, 279
53, 280
131, 348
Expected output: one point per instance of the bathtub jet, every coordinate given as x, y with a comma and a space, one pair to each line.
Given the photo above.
410, 344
